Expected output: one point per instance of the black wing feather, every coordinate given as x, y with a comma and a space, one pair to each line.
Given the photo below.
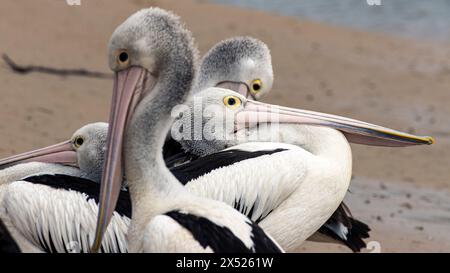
7, 243
78, 184
221, 239
357, 230
86, 186
174, 154
262, 243
203, 165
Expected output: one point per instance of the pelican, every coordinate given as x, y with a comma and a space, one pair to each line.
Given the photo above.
244, 64
85, 149
309, 177
49, 207
152, 75
166, 217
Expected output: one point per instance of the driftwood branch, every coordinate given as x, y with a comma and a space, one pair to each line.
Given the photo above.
53, 71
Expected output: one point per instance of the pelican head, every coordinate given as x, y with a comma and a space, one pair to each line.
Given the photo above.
89, 143
141, 48
227, 116
84, 150
242, 64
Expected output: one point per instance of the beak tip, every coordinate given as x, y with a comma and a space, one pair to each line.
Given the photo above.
430, 140
95, 246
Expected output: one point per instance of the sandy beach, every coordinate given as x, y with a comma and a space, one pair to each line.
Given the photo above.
402, 193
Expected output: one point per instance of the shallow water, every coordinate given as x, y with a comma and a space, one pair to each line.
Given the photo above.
419, 19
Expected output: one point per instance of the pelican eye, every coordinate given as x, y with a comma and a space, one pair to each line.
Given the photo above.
232, 102
123, 57
256, 86
78, 141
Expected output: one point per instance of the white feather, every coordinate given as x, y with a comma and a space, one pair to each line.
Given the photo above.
46, 215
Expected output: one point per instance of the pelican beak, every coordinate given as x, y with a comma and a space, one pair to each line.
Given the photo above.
354, 130
129, 85
238, 87
62, 153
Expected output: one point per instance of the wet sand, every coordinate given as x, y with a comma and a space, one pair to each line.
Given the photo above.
398, 83
403, 217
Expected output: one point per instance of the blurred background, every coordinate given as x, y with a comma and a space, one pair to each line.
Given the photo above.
386, 64
406, 18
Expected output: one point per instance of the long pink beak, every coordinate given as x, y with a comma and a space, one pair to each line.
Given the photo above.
62, 153
355, 131
129, 85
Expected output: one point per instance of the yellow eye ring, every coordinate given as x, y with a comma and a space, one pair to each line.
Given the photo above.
122, 57
232, 102
256, 86
78, 141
